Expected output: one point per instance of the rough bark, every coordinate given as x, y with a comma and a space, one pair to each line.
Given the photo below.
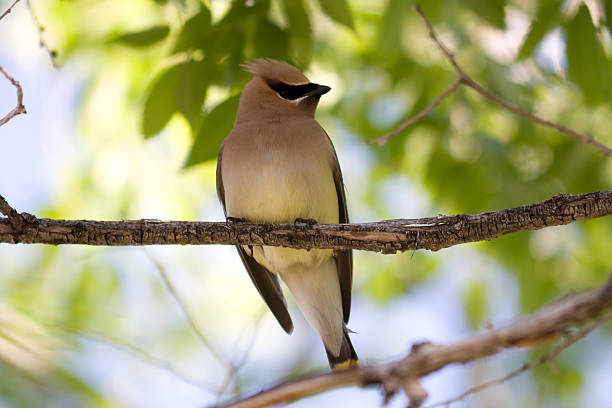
432, 233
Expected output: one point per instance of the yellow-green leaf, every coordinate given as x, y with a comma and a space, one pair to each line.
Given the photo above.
217, 124
587, 63
144, 38
338, 10
270, 41
547, 18
196, 31
491, 11
181, 88
300, 31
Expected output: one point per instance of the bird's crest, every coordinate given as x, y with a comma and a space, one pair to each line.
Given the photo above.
276, 70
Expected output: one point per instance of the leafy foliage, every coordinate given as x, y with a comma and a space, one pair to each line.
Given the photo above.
338, 11
215, 127
181, 88
144, 38
176, 84
583, 44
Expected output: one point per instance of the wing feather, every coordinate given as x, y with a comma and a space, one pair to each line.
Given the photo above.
266, 282
344, 258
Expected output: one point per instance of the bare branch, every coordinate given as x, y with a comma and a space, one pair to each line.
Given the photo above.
188, 315
385, 138
465, 79
424, 358
547, 358
432, 233
14, 218
8, 10
19, 108
240, 362
41, 41
143, 356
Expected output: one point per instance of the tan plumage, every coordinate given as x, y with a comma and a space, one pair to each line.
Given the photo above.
278, 165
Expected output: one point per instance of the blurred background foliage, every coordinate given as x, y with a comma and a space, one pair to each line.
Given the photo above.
153, 89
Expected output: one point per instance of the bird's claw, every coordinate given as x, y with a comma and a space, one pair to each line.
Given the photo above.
305, 221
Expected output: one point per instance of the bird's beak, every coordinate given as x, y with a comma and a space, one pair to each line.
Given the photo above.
320, 90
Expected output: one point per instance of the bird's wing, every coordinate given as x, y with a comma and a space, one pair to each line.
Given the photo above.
220, 191
266, 282
344, 258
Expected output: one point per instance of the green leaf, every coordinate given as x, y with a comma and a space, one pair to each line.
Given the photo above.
491, 11
242, 10
475, 303
270, 41
547, 18
191, 90
217, 124
300, 31
392, 26
196, 32
181, 88
587, 63
338, 10
144, 38
160, 105
232, 52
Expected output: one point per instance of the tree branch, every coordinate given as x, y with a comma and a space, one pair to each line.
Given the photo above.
465, 79
390, 236
19, 108
41, 41
385, 138
8, 10
143, 355
547, 358
14, 218
191, 319
424, 358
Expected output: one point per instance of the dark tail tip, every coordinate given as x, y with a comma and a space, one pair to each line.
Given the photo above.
347, 357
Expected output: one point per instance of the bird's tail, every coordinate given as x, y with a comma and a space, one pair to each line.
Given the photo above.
347, 357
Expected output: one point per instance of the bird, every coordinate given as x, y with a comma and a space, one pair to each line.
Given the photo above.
278, 165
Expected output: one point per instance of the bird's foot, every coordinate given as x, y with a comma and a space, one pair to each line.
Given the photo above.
235, 220
305, 221
302, 223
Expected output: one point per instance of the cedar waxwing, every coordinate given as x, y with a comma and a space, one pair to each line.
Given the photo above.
278, 165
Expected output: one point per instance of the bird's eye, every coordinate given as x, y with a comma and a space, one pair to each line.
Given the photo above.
291, 92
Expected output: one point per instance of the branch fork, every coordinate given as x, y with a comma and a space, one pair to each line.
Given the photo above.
465, 79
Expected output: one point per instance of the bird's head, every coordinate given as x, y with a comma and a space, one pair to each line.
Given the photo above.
278, 88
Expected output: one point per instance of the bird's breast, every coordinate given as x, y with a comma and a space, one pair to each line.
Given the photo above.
274, 175
279, 181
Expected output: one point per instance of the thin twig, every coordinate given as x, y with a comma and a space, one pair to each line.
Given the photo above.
19, 108
385, 138
239, 363
41, 40
519, 111
142, 355
188, 315
9, 9
465, 79
528, 366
